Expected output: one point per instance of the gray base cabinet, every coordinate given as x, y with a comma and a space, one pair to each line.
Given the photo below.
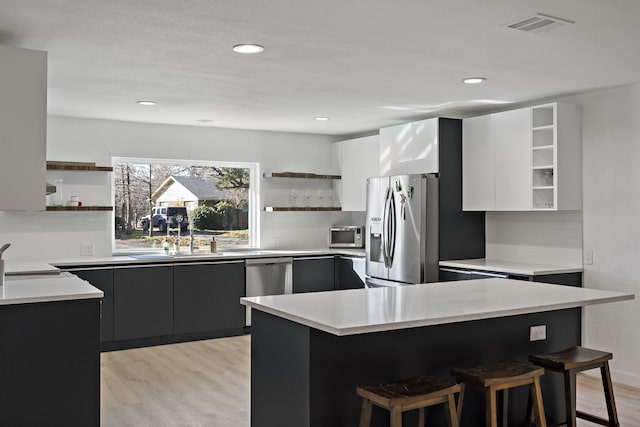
101, 278
349, 273
207, 297
143, 303
313, 274
449, 274
50, 364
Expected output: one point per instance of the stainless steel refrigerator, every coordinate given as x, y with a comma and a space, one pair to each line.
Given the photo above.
402, 230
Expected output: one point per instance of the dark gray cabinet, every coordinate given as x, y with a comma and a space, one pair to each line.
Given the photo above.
50, 363
349, 272
143, 301
571, 279
313, 274
206, 297
101, 278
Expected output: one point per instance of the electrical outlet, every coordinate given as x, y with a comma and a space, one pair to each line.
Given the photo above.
588, 256
88, 249
538, 333
275, 242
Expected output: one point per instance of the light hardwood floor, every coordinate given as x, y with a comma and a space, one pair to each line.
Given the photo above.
201, 383
207, 384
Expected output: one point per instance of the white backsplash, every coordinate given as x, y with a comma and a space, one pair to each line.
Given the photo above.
553, 238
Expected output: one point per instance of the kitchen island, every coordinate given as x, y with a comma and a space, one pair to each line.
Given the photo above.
50, 351
310, 351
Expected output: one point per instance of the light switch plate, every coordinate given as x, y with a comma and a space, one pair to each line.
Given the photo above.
88, 249
538, 333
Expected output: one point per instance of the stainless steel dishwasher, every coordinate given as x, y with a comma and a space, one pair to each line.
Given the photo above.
268, 276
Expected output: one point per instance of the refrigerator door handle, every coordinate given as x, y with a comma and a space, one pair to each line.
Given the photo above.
385, 228
392, 228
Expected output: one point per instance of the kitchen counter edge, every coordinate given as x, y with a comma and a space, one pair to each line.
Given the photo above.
510, 267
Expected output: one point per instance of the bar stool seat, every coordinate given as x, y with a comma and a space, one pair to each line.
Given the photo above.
571, 361
502, 376
413, 393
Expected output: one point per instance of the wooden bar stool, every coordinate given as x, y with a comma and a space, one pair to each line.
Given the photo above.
414, 393
503, 376
571, 361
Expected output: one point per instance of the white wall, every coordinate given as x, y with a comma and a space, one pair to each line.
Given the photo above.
53, 235
611, 213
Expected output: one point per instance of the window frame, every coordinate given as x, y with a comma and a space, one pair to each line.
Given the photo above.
253, 196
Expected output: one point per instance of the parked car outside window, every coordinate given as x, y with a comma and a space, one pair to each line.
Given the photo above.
170, 216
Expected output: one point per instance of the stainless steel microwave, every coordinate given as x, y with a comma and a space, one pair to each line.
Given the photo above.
348, 236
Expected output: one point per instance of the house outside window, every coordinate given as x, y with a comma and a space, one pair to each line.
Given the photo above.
159, 200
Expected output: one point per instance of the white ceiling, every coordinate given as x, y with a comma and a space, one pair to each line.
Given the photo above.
364, 63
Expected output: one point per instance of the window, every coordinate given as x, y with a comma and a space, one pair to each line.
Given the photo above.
158, 200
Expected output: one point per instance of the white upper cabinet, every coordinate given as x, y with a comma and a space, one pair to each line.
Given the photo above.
358, 161
23, 128
512, 132
410, 148
478, 163
522, 160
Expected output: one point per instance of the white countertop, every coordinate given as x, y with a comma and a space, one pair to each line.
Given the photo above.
202, 256
45, 288
15, 268
510, 267
360, 311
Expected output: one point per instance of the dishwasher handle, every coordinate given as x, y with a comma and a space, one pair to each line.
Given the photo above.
267, 261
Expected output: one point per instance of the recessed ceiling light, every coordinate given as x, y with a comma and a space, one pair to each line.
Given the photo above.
322, 119
473, 80
147, 103
248, 48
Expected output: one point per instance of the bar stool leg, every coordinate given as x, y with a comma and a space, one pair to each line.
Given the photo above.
460, 399
570, 397
365, 413
396, 416
505, 407
608, 395
421, 417
492, 410
451, 410
538, 406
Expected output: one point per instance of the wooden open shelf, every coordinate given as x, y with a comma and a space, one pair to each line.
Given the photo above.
77, 166
292, 209
79, 208
299, 175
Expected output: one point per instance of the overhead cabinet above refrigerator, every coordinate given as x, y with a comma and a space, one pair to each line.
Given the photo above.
410, 148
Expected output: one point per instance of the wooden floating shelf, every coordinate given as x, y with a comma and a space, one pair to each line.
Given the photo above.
77, 166
78, 208
299, 175
292, 209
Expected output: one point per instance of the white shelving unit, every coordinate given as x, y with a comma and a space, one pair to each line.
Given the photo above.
543, 157
555, 157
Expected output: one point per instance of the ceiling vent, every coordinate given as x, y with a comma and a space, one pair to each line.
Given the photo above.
538, 23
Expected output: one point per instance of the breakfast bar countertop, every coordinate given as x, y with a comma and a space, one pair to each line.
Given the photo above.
358, 311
